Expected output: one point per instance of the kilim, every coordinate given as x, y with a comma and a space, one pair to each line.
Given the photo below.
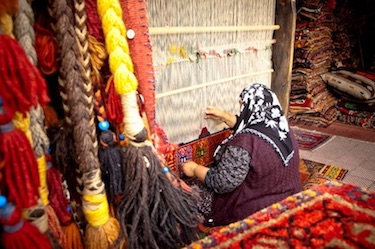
334, 215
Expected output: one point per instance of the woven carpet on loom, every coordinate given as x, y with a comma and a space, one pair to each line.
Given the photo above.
331, 215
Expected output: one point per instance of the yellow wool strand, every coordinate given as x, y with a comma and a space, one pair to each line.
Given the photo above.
6, 24
43, 188
120, 62
23, 123
96, 210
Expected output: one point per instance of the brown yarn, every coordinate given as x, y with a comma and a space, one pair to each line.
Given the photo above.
79, 94
78, 98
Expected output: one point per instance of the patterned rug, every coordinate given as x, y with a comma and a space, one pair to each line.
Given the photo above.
331, 215
308, 140
314, 173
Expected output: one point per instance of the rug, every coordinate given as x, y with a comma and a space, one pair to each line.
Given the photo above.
331, 215
308, 140
315, 173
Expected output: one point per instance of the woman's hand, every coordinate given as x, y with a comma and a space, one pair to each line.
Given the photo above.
214, 113
218, 114
189, 168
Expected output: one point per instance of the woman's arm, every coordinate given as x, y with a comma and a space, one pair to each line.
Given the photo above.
218, 114
192, 169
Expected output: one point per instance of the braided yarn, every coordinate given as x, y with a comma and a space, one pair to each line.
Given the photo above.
78, 91
149, 217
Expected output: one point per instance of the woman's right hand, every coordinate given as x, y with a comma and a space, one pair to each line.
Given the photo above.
214, 113
218, 114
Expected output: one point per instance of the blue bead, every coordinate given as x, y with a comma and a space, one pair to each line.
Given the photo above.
165, 170
104, 125
3, 201
121, 137
1, 101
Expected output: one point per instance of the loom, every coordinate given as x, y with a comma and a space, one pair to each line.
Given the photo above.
205, 53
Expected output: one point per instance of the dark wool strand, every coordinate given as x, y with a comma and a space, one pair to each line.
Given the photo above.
152, 210
110, 156
79, 95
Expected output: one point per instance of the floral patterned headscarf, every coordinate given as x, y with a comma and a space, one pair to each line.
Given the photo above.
262, 115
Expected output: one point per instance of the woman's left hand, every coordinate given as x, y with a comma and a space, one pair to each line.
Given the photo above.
189, 167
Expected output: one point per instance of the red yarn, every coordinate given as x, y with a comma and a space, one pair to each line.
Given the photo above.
94, 24
141, 53
56, 196
20, 168
46, 49
115, 114
21, 86
28, 236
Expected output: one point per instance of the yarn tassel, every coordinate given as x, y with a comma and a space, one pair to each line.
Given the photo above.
60, 204
17, 232
20, 165
149, 217
110, 155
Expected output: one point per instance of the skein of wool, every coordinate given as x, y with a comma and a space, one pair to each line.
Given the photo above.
149, 217
102, 230
17, 232
60, 204
24, 33
20, 165
136, 20
19, 91
110, 154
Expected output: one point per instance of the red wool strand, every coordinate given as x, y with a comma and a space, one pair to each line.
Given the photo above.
21, 86
56, 196
94, 25
115, 114
27, 236
46, 49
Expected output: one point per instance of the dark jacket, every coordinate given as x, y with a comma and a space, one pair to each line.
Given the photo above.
268, 181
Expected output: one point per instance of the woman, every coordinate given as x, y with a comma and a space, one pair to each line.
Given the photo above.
257, 165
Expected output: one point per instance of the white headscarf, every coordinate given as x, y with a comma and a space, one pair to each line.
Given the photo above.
262, 115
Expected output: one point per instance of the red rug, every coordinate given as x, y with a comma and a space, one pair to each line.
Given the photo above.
331, 215
308, 140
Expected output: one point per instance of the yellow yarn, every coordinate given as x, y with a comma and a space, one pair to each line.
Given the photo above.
96, 210
23, 123
6, 24
120, 63
43, 188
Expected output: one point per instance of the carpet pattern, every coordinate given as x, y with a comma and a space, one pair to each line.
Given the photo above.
315, 173
308, 140
333, 215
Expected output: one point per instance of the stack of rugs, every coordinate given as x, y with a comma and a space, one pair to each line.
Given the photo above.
311, 103
357, 96
330, 215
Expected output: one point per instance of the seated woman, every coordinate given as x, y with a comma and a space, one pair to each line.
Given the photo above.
256, 166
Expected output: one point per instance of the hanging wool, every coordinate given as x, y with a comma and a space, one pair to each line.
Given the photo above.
46, 49
150, 217
19, 91
93, 22
136, 22
17, 232
8, 6
102, 230
24, 33
60, 204
110, 154
114, 112
20, 165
